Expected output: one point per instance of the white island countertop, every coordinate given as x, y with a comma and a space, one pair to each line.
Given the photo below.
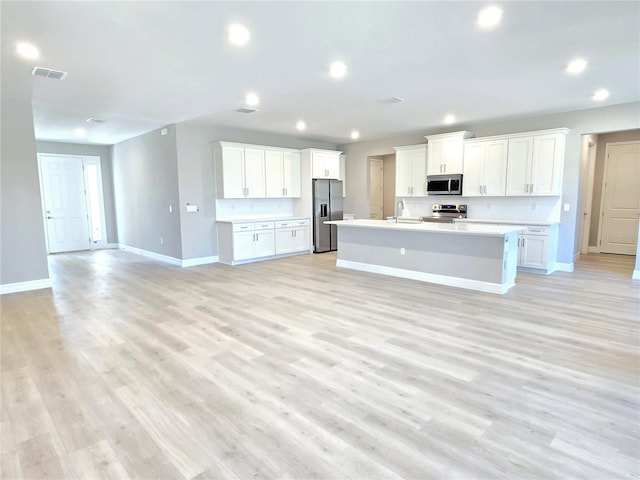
260, 219
427, 227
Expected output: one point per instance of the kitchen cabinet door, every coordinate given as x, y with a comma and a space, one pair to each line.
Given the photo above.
254, 172
519, 162
284, 240
445, 154
233, 172
473, 173
291, 174
404, 171
243, 245
265, 244
495, 168
411, 165
274, 174
325, 165
547, 164
533, 251
300, 238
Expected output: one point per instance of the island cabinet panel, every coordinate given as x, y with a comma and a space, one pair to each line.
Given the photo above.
535, 164
485, 168
411, 164
446, 152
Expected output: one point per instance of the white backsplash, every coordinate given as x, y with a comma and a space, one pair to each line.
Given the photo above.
228, 209
539, 209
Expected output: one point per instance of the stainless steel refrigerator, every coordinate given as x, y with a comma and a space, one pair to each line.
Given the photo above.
327, 205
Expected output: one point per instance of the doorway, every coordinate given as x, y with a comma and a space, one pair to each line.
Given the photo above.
72, 202
621, 199
376, 188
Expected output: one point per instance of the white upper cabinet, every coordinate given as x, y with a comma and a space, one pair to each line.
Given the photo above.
253, 171
485, 167
411, 165
535, 163
325, 164
240, 171
446, 152
282, 175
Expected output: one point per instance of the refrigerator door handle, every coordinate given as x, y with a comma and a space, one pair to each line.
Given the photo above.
323, 210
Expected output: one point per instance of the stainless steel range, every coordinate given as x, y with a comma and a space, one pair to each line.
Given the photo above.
446, 213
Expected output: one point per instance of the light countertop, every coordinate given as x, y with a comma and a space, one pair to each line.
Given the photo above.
462, 229
505, 222
259, 219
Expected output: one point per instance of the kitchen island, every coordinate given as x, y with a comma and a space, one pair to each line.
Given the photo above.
477, 257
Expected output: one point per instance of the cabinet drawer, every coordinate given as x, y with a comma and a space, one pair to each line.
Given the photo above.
298, 223
531, 230
284, 223
263, 225
242, 227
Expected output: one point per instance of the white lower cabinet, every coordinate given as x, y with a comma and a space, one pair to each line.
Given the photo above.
253, 240
532, 250
245, 241
292, 236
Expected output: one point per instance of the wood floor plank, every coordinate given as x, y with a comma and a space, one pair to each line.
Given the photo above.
293, 368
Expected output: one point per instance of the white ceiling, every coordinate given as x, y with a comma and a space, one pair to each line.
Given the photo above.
142, 65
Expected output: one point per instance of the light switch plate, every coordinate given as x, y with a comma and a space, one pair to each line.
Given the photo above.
192, 208
567, 207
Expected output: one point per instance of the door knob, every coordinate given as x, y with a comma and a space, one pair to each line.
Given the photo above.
49, 217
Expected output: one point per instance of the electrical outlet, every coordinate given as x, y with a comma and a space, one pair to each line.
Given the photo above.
161, 240
402, 251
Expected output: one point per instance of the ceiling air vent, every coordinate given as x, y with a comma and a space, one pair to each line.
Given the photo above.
391, 100
95, 120
246, 110
47, 72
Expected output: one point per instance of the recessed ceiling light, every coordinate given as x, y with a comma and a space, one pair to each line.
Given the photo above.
337, 69
301, 125
28, 51
252, 99
355, 134
80, 132
238, 34
576, 66
449, 119
489, 17
600, 95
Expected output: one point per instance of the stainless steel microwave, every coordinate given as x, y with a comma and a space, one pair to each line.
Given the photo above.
444, 184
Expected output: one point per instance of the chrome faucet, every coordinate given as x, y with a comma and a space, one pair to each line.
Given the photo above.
399, 209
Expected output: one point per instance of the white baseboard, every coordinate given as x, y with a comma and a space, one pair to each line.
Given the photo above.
564, 267
192, 262
636, 275
25, 286
113, 245
427, 277
153, 255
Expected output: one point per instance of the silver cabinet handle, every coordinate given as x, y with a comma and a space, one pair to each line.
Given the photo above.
49, 217
445, 168
531, 188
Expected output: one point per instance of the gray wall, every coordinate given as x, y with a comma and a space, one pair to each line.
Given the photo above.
628, 136
104, 152
596, 120
197, 182
23, 254
145, 180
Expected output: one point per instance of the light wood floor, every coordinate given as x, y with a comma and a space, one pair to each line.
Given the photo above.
292, 369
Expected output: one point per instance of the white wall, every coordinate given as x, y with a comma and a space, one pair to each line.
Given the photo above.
596, 120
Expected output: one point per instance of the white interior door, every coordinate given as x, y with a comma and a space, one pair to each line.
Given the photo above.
64, 202
621, 199
376, 193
